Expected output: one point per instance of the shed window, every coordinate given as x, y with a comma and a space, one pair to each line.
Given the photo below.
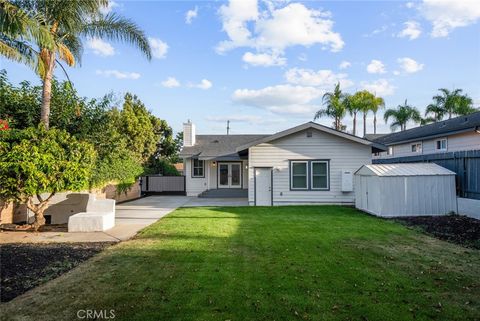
319, 174
441, 144
417, 148
299, 175
198, 168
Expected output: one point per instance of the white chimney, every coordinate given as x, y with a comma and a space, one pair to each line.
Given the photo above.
188, 134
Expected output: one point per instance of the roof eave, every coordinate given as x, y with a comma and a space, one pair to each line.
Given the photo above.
432, 136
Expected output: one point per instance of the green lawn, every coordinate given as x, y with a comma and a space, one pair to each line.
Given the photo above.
281, 263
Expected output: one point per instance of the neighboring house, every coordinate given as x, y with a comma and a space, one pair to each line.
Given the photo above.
453, 144
307, 164
453, 135
179, 168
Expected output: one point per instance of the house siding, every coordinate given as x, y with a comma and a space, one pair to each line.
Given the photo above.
455, 143
342, 153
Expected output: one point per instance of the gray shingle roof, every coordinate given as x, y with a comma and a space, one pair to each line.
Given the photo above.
218, 145
372, 137
442, 128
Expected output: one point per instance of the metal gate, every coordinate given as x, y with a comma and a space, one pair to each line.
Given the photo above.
163, 185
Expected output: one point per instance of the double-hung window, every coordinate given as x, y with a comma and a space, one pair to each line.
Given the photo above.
417, 148
441, 144
310, 175
198, 168
299, 176
319, 174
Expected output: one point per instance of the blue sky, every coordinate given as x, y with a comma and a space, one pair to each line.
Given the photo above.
264, 65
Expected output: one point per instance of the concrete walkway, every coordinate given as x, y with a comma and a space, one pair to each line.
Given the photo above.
130, 218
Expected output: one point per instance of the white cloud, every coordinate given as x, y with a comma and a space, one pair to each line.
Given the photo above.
377, 31
159, 48
412, 30
446, 15
409, 65
376, 67
409, 5
100, 47
344, 64
204, 84
118, 74
190, 15
276, 28
281, 99
263, 59
380, 87
322, 78
170, 82
108, 8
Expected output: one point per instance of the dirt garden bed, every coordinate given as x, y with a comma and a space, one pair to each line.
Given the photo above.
457, 229
26, 265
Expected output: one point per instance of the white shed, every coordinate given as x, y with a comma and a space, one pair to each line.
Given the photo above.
405, 189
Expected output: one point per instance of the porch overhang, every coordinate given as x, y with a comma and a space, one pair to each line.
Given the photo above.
220, 158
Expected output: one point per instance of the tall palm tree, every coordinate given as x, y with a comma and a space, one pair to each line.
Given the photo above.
401, 116
353, 108
68, 23
363, 101
17, 29
377, 103
437, 111
453, 102
335, 107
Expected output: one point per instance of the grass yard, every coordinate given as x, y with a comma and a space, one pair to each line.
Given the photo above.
254, 263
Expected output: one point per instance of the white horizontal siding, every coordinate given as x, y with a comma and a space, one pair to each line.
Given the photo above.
194, 185
455, 143
342, 153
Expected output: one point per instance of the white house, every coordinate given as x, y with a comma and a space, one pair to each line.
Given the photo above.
306, 164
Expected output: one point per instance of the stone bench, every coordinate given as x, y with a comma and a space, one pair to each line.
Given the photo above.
100, 216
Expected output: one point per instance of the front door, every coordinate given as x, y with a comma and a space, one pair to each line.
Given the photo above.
229, 175
263, 186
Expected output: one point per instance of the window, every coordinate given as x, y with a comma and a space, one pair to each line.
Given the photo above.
309, 175
299, 175
441, 144
390, 150
417, 148
376, 154
198, 168
319, 174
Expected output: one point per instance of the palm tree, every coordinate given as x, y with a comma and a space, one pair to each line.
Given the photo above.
335, 107
453, 102
17, 29
437, 111
68, 23
402, 115
352, 108
377, 103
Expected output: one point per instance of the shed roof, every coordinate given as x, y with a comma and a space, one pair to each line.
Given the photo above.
408, 169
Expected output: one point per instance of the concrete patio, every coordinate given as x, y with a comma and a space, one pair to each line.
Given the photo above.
130, 218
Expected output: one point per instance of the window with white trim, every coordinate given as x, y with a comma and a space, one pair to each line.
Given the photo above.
417, 148
319, 174
441, 144
198, 168
298, 175
390, 150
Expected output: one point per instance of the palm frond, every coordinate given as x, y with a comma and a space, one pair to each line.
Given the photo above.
117, 28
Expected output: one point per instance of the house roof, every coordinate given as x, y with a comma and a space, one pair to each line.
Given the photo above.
404, 169
442, 128
372, 137
216, 146
375, 146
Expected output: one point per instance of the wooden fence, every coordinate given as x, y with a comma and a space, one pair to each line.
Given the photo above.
163, 185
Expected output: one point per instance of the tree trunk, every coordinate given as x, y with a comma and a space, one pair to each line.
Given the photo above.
38, 210
355, 124
374, 123
49, 61
364, 124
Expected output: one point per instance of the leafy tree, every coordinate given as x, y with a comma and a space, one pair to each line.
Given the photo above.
161, 166
67, 23
335, 107
35, 161
402, 115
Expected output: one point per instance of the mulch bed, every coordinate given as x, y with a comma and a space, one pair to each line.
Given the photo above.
457, 229
24, 266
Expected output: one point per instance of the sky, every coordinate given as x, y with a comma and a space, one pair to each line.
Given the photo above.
264, 65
